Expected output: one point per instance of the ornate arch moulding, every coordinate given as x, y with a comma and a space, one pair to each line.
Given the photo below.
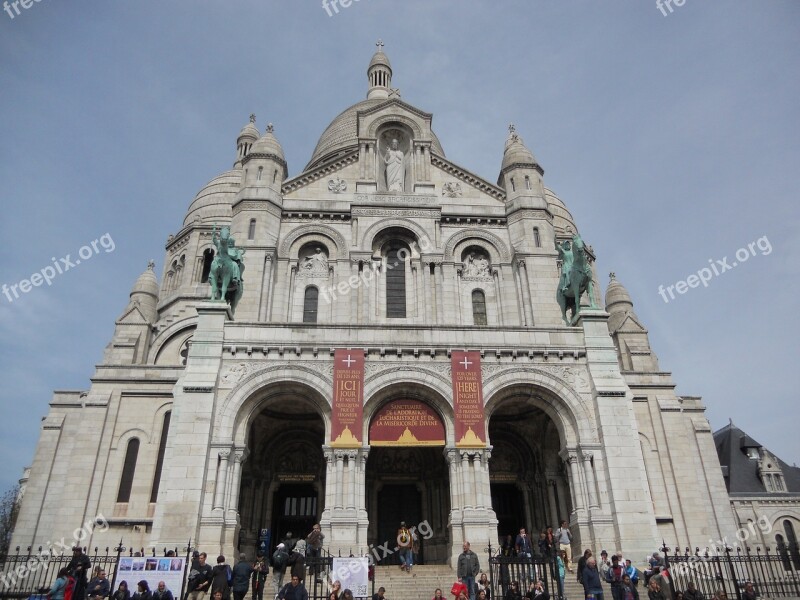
288, 245
498, 250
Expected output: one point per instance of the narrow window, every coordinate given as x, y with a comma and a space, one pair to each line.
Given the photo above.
395, 284
258, 175
208, 258
275, 176
794, 551
310, 304
513, 187
128, 469
251, 233
536, 239
162, 448
479, 308
784, 553
527, 182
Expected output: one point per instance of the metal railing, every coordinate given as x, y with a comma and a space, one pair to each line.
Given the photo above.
32, 572
524, 571
728, 569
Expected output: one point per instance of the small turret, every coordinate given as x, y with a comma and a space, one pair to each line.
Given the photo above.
265, 163
247, 136
630, 336
379, 74
520, 174
133, 331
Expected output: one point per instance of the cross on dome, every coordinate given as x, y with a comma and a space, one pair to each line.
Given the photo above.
270, 128
379, 44
252, 118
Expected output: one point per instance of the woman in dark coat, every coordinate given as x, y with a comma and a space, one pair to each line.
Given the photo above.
221, 574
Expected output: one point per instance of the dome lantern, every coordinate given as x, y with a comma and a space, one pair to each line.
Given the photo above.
379, 74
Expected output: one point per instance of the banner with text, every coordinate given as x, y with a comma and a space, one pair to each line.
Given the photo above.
406, 423
470, 422
348, 398
352, 574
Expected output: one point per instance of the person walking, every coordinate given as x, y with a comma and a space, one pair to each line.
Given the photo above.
564, 540
241, 577
468, 568
591, 580
259, 578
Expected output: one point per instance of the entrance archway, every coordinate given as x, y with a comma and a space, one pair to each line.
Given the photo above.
283, 479
407, 479
527, 477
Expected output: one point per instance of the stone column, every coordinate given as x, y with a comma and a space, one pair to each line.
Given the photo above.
440, 318
351, 468
290, 294
526, 292
578, 503
588, 470
239, 456
466, 477
339, 456
551, 500
330, 481
451, 455
222, 480
498, 294
523, 319
426, 162
266, 288
354, 315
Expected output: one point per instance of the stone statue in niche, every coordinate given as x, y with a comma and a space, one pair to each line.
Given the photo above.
476, 265
395, 168
316, 263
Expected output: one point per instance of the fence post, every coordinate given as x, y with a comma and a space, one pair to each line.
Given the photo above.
120, 549
186, 566
732, 572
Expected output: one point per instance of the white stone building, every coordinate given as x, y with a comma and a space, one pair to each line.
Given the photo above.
208, 426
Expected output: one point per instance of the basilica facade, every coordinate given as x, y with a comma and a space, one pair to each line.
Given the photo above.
392, 349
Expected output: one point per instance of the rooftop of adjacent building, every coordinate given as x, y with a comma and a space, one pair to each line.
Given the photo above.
742, 458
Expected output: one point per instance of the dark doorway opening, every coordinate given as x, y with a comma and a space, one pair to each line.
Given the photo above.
509, 508
295, 511
408, 484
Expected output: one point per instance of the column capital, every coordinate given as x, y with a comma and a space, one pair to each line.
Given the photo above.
588, 455
240, 454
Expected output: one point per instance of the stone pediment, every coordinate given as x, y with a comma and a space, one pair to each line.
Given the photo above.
132, 316
370, 119
454, 183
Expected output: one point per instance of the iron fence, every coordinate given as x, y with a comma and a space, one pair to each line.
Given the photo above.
728, 570
524, 571
33, 571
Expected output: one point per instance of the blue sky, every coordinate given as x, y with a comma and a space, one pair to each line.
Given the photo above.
673, 140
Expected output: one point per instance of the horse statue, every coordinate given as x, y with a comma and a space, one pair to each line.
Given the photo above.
225, 275
576, 278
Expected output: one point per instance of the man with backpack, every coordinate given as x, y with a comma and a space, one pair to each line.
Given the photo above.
564, 539
279, 560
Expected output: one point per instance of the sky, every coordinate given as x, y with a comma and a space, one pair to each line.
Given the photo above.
672, 138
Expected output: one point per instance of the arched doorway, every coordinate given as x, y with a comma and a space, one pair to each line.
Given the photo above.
283, 479
407, 479
528, 479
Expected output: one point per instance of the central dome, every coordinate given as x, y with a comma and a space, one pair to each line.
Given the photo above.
341, 135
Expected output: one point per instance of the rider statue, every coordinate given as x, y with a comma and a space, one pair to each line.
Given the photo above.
566, 256
226, 268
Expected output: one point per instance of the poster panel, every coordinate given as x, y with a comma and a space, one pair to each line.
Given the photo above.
348, 398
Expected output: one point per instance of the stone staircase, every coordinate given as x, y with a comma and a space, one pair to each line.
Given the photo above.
420, 584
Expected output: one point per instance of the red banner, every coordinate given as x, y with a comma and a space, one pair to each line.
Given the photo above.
348, 398
406, 423
470, 423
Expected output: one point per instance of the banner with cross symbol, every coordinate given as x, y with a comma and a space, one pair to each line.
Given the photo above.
470, 423
348, 398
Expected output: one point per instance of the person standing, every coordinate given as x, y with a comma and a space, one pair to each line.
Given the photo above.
405, 542
591, 579
79, 568
241, 577
260, 572
614, 576
199, 578
561, 558
582, 564
314, 541
60, 585
297, 561
279, 560
564, 539
468, 568
523, 544
222, 578
379, 595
